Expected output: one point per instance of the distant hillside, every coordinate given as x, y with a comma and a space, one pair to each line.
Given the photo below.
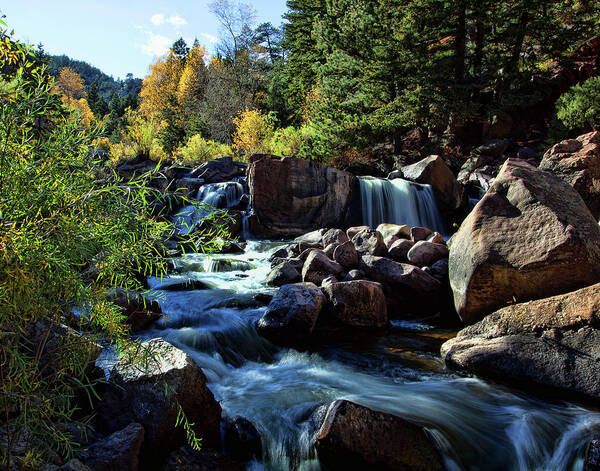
91, 74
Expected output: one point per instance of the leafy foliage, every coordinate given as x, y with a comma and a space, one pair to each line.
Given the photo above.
579, 108
198, 150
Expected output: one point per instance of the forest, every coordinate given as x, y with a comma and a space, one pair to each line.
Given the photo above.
264, 245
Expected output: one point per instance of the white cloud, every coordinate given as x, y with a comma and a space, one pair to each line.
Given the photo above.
157, 45
176, 20
158, 19
209, 37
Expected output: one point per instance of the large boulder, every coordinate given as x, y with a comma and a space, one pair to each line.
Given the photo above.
358, 303
334, 236
369, 242
292, 314
354, 437
140, 312
318, 266
151, 388
242, 440
449, 194
117, 452
427, 253
219, 170
292, 196
346, 255
577, 161
283, 274
531, 236
552, 342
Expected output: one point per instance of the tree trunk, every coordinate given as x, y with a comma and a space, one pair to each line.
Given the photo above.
459, 42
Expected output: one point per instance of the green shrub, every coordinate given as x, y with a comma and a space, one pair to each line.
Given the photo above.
198, 150
579, 108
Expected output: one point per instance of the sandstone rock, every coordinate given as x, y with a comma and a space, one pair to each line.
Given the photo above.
449, 194
387, 230
140, 311
354, 437
399, 250
336, 236
318, 266
552, 342
283, 274
357, 303
292, 314
418, 234
242, 440
117, 452
530, 236
149, 389
291, 196
355, 230
427, 253
369, 242
577, 161
346, 255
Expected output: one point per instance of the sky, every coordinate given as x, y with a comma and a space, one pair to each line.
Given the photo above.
121, 36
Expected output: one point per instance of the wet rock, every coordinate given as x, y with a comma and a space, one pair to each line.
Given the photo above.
357, 303
577, 161
318, 266
292, 314
242, 440
592, 460
531, 236
291, 196
117, 452
185, 285
346, 255
369, 242
140, 311
351, 232
449, 194
389, 230
399, 250
427, 253
354, 438
418, 234
149, 389
334, 236
283, 274
552, 342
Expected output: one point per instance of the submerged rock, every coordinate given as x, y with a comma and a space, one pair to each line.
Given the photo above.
552, 342
531, 236
354, 438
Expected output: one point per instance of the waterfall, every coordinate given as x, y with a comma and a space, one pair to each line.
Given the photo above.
210, 197
399, 201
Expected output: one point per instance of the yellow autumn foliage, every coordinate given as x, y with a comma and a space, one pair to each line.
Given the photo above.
253, 130
159, 88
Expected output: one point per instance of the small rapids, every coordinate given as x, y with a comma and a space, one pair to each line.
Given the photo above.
476, 424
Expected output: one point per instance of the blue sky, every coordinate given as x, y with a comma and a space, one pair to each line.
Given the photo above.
121, 36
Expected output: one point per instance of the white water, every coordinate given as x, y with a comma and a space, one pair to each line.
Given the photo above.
477, 425
210, 197
399, 201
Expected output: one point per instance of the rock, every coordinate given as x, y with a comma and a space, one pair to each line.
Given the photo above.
577, 161
531, 236
369, 242
328, 281
357, 303
351, 232
500, 126
592, 460
317, 267
283, 274
440, 269
263, 298
436, 238
399, 278
494, 148
219, 170
291, 196
152, 396
449, 194
354, 275
140, 311
354, 437
418, 234
292, 314
117, 452
334, 236
330, 249
346, 255
395, 174
389, 241
242, 440
399, 250
314, 238
483, 177
184, 285
388, 230
552, 342
187, 459
73, 465
427, 253
526, 153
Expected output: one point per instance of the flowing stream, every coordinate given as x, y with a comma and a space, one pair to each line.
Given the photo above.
477, 425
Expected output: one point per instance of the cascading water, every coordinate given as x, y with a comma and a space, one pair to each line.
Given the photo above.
211, 196
477, 425
399, 202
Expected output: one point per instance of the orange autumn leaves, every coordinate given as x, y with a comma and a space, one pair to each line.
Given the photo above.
72, 88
